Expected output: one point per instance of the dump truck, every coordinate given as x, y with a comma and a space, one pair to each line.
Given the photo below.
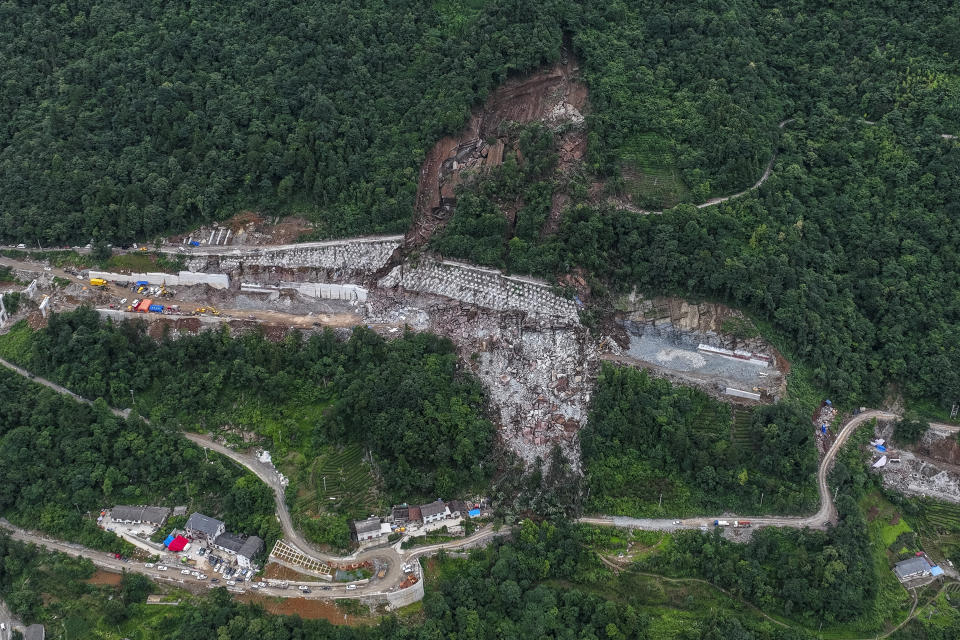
156, 308
98, 282
741, 524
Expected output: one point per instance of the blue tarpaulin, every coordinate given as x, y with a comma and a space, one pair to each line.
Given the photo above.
473, 513
936, 571
880, 447
168, 540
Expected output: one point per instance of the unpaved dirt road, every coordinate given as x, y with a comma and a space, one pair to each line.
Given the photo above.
714, 201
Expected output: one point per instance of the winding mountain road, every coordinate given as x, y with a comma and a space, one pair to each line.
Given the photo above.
713, 201
826, 514
391, 556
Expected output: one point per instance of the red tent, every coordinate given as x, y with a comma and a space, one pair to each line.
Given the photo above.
178, 543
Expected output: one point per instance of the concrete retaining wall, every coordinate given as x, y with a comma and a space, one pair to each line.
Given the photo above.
359, 255
185, 278
402, 598
3, 312
328, 291
483, 287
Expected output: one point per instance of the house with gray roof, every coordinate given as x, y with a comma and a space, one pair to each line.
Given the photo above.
365, 529
34, 632
204, 527
243, 548
434, 512
912, 568
140, 514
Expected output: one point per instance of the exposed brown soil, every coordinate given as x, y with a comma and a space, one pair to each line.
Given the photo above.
101, 577
872, 514
554, 96
306, 609
252, 228
280, 572
36, 320
942, 450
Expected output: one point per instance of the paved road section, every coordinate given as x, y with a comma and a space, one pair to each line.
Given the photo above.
826, 513
392, 556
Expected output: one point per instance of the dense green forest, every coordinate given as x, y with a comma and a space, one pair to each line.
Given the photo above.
406, 400
122, 121
61, 461
648, 441
544, 583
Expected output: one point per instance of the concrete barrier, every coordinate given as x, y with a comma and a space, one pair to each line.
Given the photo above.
403, 597
184, 278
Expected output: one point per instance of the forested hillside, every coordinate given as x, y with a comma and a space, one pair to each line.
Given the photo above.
60, 459
125, 120
653, 449
849, 249
406, 401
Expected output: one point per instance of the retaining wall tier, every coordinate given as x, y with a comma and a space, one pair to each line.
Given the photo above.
483, 287
184, 278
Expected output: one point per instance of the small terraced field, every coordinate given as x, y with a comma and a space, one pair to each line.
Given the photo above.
741, 431
339, 480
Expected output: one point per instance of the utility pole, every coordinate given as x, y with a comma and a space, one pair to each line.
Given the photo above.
761, 498
661, 499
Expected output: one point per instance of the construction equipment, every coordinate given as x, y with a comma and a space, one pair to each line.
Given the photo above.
98, 282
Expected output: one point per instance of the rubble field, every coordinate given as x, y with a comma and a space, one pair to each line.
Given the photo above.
927, 469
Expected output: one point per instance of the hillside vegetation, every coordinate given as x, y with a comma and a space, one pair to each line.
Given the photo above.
652, 449
61, 461
406, 401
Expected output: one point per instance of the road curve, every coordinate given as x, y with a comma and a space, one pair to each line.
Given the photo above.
390, 555
713, 201
826, 513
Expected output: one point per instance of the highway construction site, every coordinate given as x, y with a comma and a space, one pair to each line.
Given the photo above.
521, 339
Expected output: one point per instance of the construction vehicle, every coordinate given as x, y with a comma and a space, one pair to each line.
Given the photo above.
98, 282
721, 523
741, 524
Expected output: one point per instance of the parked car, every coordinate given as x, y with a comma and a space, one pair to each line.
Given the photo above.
185, 572
302, 587
231, 583
351, 587
214, 580
161, 567
306, 590
148, 565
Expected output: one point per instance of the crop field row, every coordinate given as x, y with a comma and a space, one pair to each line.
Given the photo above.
741, 430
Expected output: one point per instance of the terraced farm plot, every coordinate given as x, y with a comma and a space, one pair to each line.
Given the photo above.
943, 515
741, 431
339, 480
651, 174
712, 423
